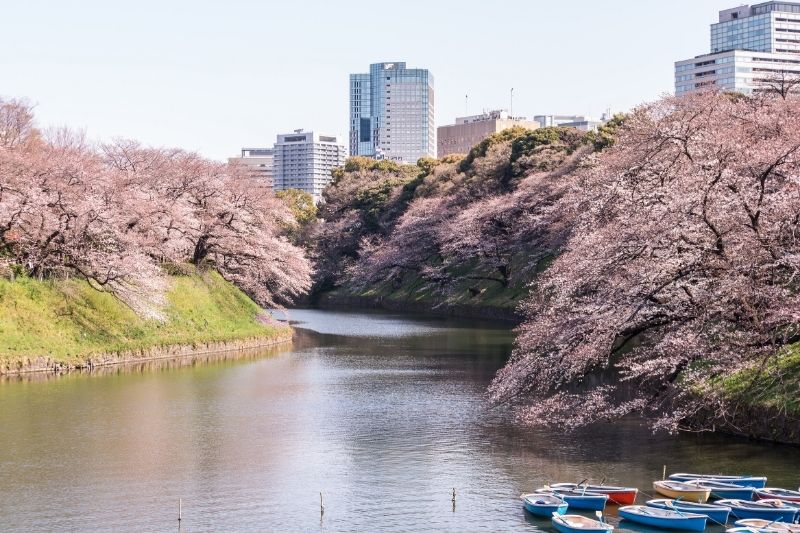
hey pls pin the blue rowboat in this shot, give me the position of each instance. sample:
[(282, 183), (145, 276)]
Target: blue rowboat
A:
[(716, 513), (767, 526), (543, 504), (757, 482), (579, 499), (720, 490), (575, 523), (663, 518), (766, 509)]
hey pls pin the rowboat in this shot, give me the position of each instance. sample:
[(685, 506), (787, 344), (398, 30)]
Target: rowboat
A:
[(663, 518), (677, 489), (757, 482), (741, 530), (767, 509), (618, 495), (716, 513), (575, 523), (768, 526), (724, 490), (543, 504), (778, 494), (578, 499)]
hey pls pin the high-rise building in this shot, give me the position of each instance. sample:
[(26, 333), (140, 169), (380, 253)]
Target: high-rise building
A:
[(459, 138), (304, 160), (750, 46), (259, 163), (391, 113)]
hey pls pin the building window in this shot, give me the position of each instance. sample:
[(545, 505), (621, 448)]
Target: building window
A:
[(365, 135)]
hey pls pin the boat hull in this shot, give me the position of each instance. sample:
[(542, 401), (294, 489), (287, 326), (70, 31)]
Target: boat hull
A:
[(787, 497), (717, 513), (784, 514), (745, 493), (561, 523), (736, 492), (544, 509), (757, 482), (699, 495), (618, 495), (586, 501), (585, 504), (687, 523), (768, 526)]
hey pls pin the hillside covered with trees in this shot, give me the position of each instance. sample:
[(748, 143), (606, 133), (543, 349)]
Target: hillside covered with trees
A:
[(654, 263)]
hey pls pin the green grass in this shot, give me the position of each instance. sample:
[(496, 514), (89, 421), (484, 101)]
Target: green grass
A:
[(776, 386), (69, 320)]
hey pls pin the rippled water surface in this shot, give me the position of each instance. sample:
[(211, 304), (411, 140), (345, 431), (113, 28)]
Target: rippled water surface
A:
[(384, 414)]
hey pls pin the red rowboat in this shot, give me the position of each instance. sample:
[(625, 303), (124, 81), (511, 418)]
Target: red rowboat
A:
[(778, 494), (618, 495)]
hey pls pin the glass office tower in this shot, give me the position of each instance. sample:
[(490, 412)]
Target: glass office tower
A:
[(391, 113), (750, 45)]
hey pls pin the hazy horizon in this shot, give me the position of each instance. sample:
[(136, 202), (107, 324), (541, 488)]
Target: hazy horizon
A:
[(213, 77)]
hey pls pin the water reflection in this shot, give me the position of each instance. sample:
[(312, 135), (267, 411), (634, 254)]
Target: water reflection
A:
[(384, 420), (161, 364)]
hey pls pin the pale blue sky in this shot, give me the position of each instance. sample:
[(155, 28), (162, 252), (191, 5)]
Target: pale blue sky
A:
[(213, 76)]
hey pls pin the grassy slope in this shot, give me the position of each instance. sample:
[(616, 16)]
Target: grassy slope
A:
[(68, 320), (777, 387)]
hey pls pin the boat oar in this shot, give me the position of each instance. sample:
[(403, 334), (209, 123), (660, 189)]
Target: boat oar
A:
[(599, 515), (671, 505)]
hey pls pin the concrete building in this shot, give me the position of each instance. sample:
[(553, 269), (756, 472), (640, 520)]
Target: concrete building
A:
[(750, 45), (459, 138), (581, 122), (391, 113), (259, 161), (304, 160)]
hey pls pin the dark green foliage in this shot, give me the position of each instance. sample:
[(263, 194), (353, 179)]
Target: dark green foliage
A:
[(480, 149), (527, 142), (373, 198), (607, 133)]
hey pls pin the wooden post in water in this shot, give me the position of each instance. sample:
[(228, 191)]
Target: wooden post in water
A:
[(454, 499), (321, 505), (180, 509), (664, 473)]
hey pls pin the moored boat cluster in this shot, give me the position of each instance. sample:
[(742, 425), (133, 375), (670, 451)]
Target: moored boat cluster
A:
[(746, 499)]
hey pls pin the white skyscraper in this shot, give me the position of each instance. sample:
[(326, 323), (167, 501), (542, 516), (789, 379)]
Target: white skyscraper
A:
[(391, 113), (304, 160), (750, 45)]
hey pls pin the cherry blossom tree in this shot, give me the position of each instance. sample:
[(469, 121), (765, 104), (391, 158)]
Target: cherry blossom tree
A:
[(114, 214), (682, 267)]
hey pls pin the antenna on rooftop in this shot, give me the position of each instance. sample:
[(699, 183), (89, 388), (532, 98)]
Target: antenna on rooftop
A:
[(466, 105), (511, 104)]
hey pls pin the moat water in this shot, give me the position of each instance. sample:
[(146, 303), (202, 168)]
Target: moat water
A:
[(384, 414)]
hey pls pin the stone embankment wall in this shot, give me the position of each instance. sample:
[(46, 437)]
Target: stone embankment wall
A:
[(47, 364)]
